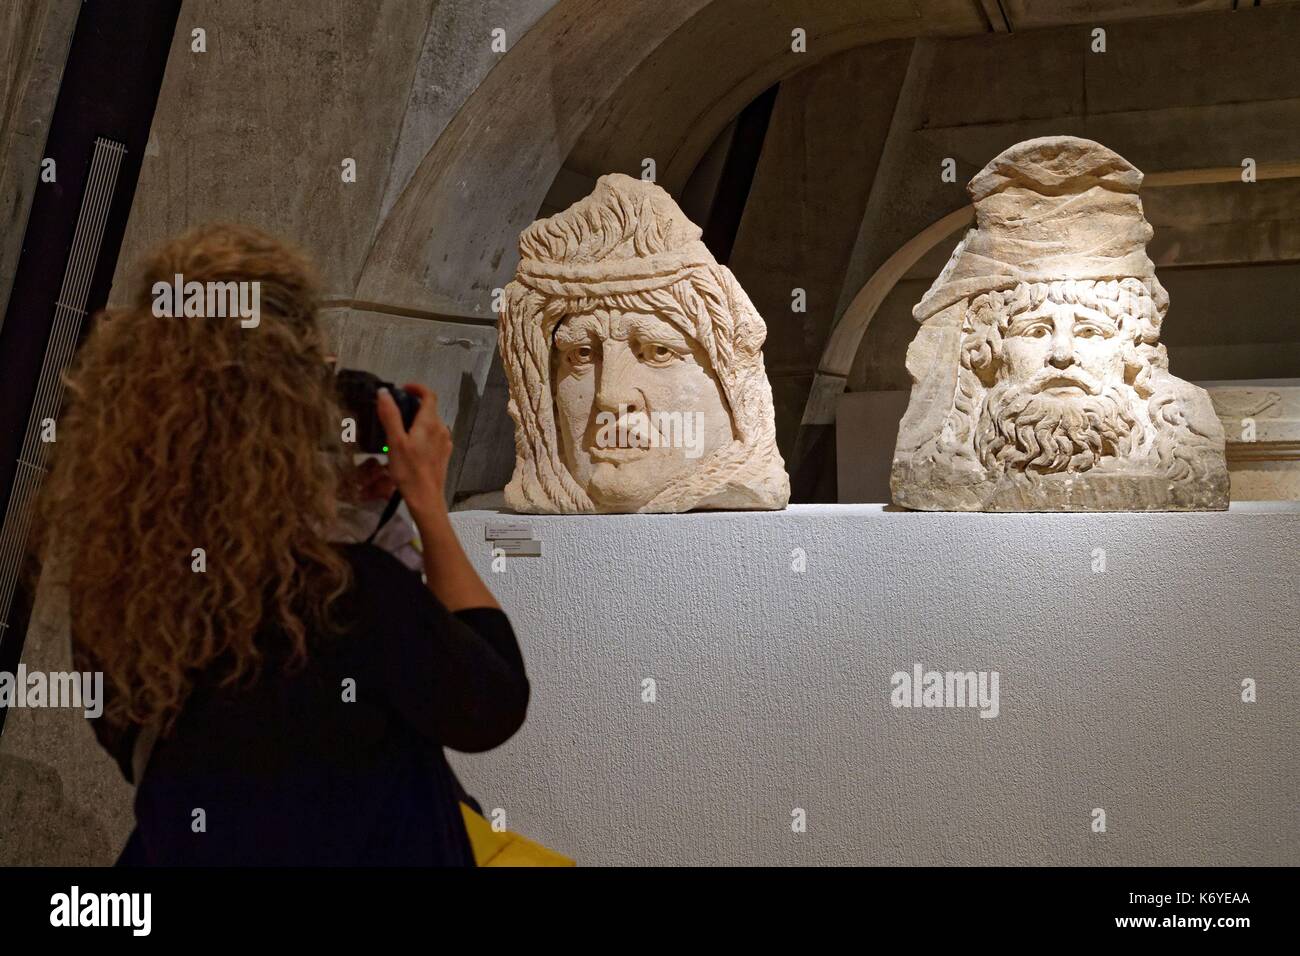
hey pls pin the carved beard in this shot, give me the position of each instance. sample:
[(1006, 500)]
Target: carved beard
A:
[(1025, 430)]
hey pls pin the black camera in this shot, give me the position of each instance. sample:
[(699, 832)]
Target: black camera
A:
[(358, 394)]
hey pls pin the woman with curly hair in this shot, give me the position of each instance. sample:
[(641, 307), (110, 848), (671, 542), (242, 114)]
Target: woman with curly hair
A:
[(300, 691)]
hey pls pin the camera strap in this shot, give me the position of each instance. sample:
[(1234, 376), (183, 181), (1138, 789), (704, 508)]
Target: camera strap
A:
[(389, 510)]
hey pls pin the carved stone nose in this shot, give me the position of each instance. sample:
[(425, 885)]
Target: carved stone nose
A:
[(1061, 359), (617, 391)]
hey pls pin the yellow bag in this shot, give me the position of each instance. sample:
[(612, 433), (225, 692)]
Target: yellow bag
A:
[(503, 848)]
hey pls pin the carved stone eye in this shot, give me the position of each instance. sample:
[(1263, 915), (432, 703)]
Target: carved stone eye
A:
[(580, 355), (655, 354)]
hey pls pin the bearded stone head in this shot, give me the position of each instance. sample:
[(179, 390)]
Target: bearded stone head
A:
[(1040, 380), (1057, 363)]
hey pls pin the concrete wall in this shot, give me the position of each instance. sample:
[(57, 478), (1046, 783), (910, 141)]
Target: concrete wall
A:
[(40, 822), (808, 196), (34, 40), (1119, 690), (256, 129), (866, 432), (63, 801)]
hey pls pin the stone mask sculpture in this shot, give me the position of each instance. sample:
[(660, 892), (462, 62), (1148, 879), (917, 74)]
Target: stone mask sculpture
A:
[(1039, 380), (635, 366)]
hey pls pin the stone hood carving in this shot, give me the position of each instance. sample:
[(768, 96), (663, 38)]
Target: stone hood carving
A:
[(1047, 209), (628, 250)]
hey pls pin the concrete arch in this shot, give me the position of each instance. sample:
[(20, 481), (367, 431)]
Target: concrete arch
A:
[(842, 346)]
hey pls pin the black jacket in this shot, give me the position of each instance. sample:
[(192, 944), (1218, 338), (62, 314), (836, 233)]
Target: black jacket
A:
[(289, 773)]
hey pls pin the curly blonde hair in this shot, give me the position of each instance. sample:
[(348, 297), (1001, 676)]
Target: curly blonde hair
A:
[(196, 432)]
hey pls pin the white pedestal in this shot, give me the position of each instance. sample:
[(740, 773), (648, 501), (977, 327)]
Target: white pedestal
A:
[(1119, 689)]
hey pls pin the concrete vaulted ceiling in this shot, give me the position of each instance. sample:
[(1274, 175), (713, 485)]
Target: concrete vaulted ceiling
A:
[(600, 86), (448, 241), (675, 104)]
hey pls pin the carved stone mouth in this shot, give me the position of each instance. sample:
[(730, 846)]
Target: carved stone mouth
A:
[(616, 456), (626, 440), (1064, 383)]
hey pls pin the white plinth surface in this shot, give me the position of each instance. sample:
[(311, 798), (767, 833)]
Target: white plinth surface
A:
[(1119, 689)]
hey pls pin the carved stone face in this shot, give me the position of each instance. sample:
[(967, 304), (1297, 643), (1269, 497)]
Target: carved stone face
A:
[(618, 406), (1062, 349), (638, 406), (1060, 402)]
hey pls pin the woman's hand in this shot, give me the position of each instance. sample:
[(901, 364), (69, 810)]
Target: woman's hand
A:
[(417, 460)]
